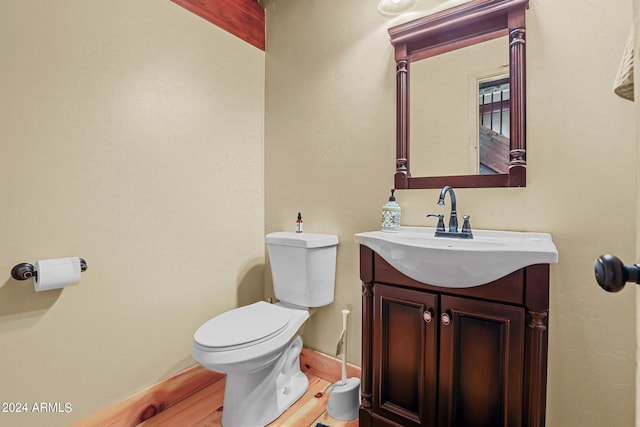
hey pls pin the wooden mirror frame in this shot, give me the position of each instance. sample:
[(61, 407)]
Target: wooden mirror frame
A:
[(470, 23)]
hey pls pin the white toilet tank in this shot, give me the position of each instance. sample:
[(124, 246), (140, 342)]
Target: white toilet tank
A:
[(303, 267)]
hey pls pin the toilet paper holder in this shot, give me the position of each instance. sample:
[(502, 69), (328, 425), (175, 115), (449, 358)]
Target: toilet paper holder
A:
[(24, 271)]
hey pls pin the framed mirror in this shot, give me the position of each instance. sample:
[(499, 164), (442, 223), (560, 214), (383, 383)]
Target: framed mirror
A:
[(464, 113)]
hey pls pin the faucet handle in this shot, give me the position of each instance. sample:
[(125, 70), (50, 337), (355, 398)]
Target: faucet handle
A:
[(466, 225), (440, 226)]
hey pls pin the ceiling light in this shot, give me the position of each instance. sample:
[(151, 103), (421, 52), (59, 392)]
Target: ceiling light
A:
[(394, 7)]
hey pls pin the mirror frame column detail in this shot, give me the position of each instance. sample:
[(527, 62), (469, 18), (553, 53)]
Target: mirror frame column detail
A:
[(518, 152), (402, 120)]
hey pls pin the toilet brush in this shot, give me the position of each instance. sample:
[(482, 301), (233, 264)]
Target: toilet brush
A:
[(344, 395)]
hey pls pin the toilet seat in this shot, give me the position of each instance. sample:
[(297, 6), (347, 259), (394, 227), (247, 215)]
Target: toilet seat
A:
[(243, 327)]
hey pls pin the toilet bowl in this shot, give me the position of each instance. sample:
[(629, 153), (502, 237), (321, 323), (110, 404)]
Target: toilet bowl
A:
[(256, 345)]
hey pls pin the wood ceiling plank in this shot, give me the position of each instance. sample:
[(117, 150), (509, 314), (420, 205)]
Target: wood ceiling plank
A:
[(242, 18)]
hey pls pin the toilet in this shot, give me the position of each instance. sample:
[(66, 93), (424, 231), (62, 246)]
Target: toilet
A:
[(257, 345)]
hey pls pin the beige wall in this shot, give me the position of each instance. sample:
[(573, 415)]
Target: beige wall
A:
[(123, 123), (132, 136), (329, 152)]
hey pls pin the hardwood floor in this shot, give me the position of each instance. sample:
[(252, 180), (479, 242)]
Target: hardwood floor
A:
[(195, 396), (204, 409)]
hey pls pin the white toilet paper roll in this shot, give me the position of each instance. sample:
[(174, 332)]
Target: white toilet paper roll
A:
[(56, 273)]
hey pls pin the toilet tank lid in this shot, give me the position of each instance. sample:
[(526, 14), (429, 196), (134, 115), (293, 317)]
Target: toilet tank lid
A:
[(301, 240)]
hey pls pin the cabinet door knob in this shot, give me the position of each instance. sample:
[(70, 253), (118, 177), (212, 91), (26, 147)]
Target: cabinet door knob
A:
[(446, 319), (427, 316)]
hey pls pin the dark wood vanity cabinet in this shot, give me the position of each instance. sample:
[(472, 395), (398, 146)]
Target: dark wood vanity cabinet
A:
[(463, 357)]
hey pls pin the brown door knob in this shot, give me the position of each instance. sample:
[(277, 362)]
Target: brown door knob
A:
[(612, 274)]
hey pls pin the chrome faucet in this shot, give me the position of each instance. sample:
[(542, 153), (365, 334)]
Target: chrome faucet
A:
[(465, 233)]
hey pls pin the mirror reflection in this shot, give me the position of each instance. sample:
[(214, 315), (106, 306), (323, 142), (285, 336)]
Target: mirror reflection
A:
[(493, 125), (460, 111)]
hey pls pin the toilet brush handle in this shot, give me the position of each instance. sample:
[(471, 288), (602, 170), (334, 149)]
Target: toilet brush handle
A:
[(345, 315)]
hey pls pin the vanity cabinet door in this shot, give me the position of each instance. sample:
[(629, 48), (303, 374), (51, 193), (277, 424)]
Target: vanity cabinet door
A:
[(405, 324), (481, 363)]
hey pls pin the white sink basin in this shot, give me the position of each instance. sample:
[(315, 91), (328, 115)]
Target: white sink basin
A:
[(459, 263)]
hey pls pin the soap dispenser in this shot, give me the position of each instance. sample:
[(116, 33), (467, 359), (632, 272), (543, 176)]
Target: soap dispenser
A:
[(391, 212)]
